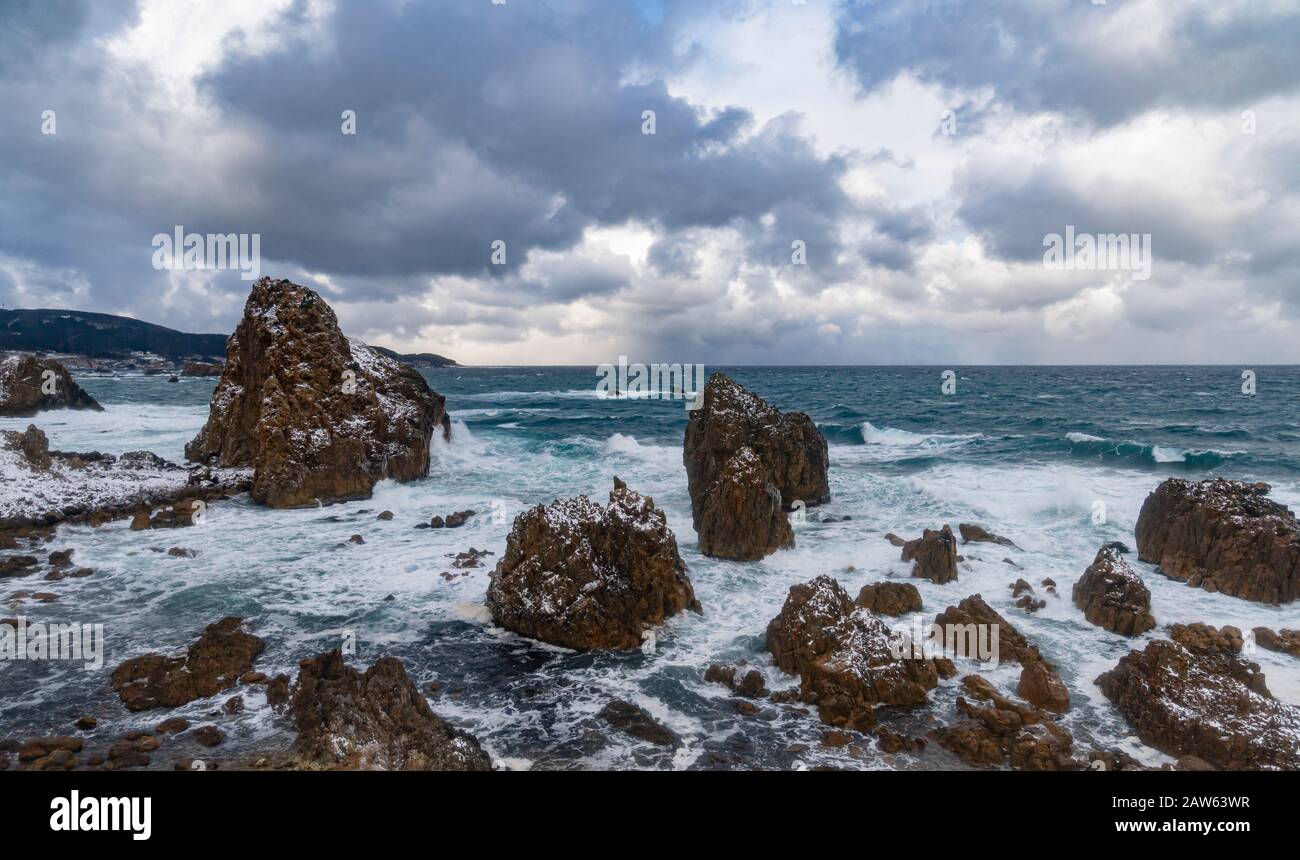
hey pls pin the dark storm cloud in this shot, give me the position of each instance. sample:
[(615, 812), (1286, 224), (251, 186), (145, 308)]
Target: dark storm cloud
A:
[(1081, 58)]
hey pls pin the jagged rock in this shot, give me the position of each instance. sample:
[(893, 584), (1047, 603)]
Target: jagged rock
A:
[(746, 464), (1113, 596), (582, 576), (24, 379), (933, 555), (1020, 586), (317, 415), (212, 664), (895, 539), (889, 598), (32, 444), (1004, 731), (638, 722), (1283, 641), (373, 721), (1223, 536), (209, 736), (17, 565), (843, 655), (1039, 682), (971, 533), (1196, 696)]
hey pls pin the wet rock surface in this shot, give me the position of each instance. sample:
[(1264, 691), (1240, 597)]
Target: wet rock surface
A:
[(1113, 596), (317, 415), (1223, 536), (933, 555), (889, 598), (212, 664), (588, 577), (746, 464)]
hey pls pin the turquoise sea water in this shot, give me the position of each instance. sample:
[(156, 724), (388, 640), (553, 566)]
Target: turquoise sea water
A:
[(1026, 452)]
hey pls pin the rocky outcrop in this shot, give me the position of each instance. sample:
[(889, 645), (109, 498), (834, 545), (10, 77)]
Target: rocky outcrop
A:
[(199, 368), (32, 444), (29, 385), (1003, 731), (844, 656), (1196, 696), (746, 464), (1223, 536), (639, 723), (212, 664), (1039, 682), (1283, 641), (583, 576), (376, 720), (971, 533), (1113, 596), (318, 416), (933, 555), (889, 598)]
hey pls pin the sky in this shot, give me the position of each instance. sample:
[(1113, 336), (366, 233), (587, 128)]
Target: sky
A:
[(827, 182)]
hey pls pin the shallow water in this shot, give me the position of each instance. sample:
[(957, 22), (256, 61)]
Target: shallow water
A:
[(1026, 452)]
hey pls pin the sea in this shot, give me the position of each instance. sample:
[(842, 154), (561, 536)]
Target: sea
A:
[(1058, 459)]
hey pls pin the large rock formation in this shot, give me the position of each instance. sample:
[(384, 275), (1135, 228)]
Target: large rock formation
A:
[(378, 720), (585, 577), (1006, 731), (317, 415), (1113, 596), (1224, 536), (933, 555), (25, 381), (844, 656), (212, 664), (1196, 696), (1039, 682), (747, 463), (889, 598)]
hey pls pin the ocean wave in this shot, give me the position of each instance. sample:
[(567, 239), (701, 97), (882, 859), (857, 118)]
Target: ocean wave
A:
[(873, 435), (1151, 454)]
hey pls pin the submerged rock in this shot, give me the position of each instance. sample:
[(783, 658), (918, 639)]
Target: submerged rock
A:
[(844, 656), (933, 555), (1113, 596), (746, 464), (376, 720), (1223, 536), (319, 417), (1196, 696), (581, 576), (638, 722), (1283, 641), (29, 385), (971, 533), (212, 664)]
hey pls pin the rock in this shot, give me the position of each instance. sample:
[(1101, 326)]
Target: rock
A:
[(17, 565), (469, 558), (148, 743), (24, 379), (718, 674), (32, 444), (971, 533), (844, 656), (36, 748), (172, 726), (385, 515), (209, 736), (581, 576), (62, 558), (1113, 596), (895, 539), (357, 539), (1284, 641), (199, 368), (140, 521), (1223, 536), (437, 523), (212, 664), (1004, 731), (746, 464), (753, 685), (283, 407), (933, 555), (375, 720), (1041, 686), (1049, 583), (254, 678), (182, 552), (1198, 697), (889, 598), (1203, 638), (458, 519), (1019, 587), (1029, 604), (234, 705), (638, 722), (277, 691)]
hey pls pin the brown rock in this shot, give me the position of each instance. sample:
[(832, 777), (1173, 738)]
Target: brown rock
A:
[(199, 368), (17, 565), (971, 533), (282, 405), (1113, 596), (1284, 641), (638, 722), (23, 386), (753, 685), (172, 726), (87, 723), (277, 691), (234, 705), (889, 598), (35, 748), (1223, 536), (844, 656), (933, 555), (585, 577), (212, 664), (209, 736), (746, 464), (32, 444), (373, 721), (1204, 701), (385, 515), (1004, 731), (1041, 686)]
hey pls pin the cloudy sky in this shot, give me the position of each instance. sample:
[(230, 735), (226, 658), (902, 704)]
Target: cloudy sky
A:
[(920, 152)]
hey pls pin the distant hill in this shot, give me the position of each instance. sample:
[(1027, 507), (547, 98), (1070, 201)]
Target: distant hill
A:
[(101, 335), (417, 359), (109, 336)]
